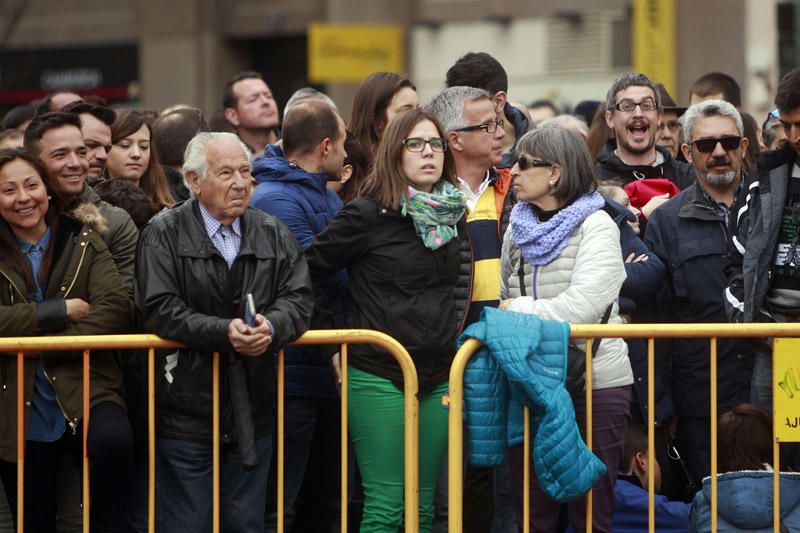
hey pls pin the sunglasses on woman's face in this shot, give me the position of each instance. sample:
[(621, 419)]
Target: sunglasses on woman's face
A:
[(728, 143), (525, 162)]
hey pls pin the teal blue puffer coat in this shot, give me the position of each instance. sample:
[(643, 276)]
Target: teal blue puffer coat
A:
[(523, 362)]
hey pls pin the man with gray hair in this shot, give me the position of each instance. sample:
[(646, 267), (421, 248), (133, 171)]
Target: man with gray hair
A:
[(688, 233), (218, 276), (633, 112), (475, 139)]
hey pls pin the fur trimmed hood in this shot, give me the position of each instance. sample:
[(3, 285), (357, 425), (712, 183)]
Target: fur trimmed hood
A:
[(90, 215)]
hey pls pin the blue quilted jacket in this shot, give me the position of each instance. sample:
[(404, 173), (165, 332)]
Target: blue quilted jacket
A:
[(523, 362)]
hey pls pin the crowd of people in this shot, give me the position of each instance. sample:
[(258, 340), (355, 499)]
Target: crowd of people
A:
[(467, 215)]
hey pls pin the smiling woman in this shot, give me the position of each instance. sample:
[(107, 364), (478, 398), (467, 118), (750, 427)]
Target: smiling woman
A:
[(133, 157), (58, 278)]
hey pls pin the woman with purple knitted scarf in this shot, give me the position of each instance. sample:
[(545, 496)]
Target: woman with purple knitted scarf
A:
[(561, 260)]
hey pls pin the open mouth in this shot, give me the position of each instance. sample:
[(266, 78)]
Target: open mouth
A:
[(25, 211), (638, 131)]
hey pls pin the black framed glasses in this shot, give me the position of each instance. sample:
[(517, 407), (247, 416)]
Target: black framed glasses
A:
[(626, 106), (525, 162), (417, 144), (730, 142), (488, 127)]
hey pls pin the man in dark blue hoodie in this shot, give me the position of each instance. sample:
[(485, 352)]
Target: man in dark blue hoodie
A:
[(293, 188)]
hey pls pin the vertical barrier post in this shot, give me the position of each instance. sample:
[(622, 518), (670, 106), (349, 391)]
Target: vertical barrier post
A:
[(20, 441), (651, 435), (345, 441), (151, 440), (714, 494), (215, 443), (589, 439), (86, 409), (526, 473), (281, 436), (776, 464)]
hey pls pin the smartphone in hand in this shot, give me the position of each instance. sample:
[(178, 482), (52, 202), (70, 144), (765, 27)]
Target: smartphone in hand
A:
[(250, 310)]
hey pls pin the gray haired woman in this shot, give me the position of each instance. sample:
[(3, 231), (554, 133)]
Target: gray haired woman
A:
[(561, 260)]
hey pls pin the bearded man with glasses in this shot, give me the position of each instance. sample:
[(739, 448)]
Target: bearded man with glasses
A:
[(689, 234), (633, 111)]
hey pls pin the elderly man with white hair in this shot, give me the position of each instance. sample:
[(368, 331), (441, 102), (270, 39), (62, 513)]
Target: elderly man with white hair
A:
[(198, 264)]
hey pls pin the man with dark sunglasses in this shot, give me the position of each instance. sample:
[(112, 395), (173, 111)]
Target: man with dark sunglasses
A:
[(634, 110), (689, 234), (764, 261)]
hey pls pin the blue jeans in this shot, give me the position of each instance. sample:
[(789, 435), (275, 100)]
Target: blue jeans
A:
[(184, 487), (761, 383), (310, 421)]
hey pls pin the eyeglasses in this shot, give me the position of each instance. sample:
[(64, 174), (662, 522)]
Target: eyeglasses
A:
[(489, 127), (526, 162), (417, 144), (728, 143), (627, 106)]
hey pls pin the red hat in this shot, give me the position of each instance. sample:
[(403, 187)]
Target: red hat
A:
[(641, 191)]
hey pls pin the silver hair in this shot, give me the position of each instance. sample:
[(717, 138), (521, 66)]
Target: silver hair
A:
[(565, 121), (307, 93), (709, 108), (195, 157), (630, 79), (448, 105)]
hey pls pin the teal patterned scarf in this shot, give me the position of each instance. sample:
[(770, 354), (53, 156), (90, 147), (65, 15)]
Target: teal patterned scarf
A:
[(435, 214)]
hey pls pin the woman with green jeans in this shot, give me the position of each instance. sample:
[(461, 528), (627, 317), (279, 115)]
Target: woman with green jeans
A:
[(399, 244)]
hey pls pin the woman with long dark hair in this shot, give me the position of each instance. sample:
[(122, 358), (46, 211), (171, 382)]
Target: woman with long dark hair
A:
[(399, 244), (133, 157), (379, 98), (58, 278)]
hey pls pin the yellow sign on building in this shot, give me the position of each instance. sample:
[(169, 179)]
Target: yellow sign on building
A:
[(786, 389), (350, 52), (654, 40)]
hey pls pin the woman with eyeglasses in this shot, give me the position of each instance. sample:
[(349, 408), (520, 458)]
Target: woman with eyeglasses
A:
[(561, 260), (399, 243), (58, 278)]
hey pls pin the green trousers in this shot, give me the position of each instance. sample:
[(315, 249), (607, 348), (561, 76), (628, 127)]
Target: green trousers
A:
[(375, 412)]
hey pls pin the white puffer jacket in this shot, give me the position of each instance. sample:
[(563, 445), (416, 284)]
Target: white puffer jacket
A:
[(576, 287)]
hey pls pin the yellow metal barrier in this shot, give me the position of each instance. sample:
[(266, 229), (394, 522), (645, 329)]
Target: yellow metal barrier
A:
[(646, 331), (22, 345)]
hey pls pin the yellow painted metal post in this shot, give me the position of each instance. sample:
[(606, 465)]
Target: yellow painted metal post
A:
[(776, 463), (589, 439), (151, 440), (215, 443), (345, 441), (20, 441), (651, 435), (86, 408), (526, 473), (455, 432), (281, 437), (714, 435), (776, 486)]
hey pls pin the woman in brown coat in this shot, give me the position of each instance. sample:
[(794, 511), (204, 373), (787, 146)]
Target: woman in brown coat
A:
[(58, 278)]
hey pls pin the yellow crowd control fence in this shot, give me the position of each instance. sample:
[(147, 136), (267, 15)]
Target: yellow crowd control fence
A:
[(30, 347), (646, 331)]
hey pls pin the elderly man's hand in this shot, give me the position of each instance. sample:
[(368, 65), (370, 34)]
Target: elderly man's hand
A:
[(250, 340)]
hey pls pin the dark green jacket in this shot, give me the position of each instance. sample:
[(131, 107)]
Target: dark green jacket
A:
[(82, 268)]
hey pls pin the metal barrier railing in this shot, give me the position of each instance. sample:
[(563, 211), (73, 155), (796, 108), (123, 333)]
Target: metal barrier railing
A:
[(25, 345), (646, 331)]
